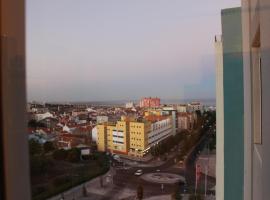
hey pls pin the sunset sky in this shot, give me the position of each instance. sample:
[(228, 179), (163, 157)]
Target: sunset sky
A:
[(99, 50)]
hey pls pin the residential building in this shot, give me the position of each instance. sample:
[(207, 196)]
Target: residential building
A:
[(181, 108), (194, 106), (139, 131), (161, 128), (243, 96), (129, 105), (186, 121), (256, 71), (102, 119), (173, 112), (150, 102), (41, 116), (230, 176), (68, 141), (133, 137)]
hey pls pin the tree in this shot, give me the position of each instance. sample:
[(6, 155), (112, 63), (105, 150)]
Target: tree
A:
[(140, 192), (196, 197), (34, 147), (74, 155), (39, 164), (48, 146), (60, 154), (176, 194), (32, 123), (199, 113)]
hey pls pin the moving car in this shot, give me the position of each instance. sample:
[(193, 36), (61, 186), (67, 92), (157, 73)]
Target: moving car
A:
[(139, 172)]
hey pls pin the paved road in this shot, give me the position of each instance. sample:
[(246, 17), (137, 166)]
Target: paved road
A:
[(125, 178)]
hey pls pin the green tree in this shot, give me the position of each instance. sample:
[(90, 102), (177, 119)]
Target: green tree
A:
[(176, 194), (196, 197), (60, 154), (39, 164), (74, 155), (34, 147), (48, 146)]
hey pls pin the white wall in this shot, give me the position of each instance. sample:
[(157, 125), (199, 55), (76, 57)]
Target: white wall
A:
[(219, 121)]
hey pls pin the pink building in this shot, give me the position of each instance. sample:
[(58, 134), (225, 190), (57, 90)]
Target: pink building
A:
[(150, 102)]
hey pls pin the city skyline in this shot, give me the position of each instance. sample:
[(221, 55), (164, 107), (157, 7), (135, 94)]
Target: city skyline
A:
[(99, 50)]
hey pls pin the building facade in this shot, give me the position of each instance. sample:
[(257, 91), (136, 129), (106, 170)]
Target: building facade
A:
[(133, 137), (230, 173), (150, 102), (219, 119), (256, 60), (243, 96), (186, 121)]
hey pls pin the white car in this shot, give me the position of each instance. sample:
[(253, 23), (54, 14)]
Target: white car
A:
[(139, 172)]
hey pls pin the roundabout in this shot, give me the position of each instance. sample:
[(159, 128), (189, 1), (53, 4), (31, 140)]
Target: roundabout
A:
[(163, 178)]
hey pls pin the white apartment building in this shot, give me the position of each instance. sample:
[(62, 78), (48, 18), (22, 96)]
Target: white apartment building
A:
[(181, 108), (102, 119), (41, 116), (159, 131), (194, 106), (129, 105)]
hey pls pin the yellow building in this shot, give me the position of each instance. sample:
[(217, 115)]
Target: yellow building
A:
[(114, 137), (102, 137), (156, 112), (139, 138), (132, 137)]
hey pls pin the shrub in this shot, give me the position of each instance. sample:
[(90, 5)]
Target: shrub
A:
[(48, 146), (39, 164), (74, 155), (60, 154), (61, 180), (34, 147)]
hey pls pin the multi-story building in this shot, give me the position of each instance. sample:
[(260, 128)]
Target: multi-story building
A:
[(102, 119), (181, 108), (114, 137), (194, 106), (186, 121), (68, 141), (165, 111), (243, 96), (230, 137), (150, 102), (41, 116), (139, 138), (133, 136), (256, 72), (173, 112), (161, 128), (129, 105)]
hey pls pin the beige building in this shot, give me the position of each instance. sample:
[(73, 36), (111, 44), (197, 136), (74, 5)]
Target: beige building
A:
[(186, 121)]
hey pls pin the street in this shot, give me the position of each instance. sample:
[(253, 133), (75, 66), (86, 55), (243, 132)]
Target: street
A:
[(122, 183)]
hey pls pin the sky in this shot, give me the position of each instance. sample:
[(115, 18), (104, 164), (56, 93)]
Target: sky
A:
[(102, 50)]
